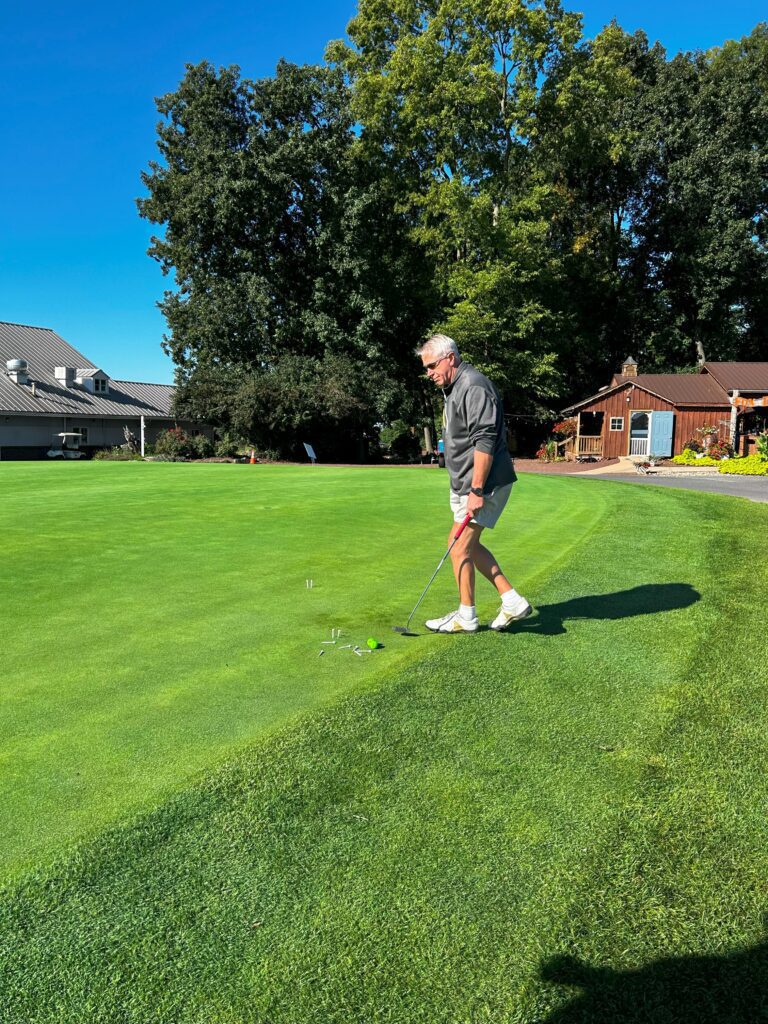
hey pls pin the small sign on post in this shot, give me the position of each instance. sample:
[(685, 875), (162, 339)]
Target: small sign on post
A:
[(310, 452)]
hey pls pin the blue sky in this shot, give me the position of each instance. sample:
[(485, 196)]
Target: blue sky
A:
[(78, 126)]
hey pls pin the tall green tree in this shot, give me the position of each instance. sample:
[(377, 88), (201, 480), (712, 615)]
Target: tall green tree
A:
[(594, 144), (449, 92), (708, 265), (297, 291), (662, 166), (554, 204)]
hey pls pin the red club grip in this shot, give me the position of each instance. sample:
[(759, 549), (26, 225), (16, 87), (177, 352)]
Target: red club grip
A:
[(462, 527)]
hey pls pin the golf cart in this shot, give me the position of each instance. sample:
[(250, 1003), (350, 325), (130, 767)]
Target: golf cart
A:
[(67, 447)]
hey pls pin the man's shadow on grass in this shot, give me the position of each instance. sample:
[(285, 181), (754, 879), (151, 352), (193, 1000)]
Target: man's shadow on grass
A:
[(648, 599), (730, 989)]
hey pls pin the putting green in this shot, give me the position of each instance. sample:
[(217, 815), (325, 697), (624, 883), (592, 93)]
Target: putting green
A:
[(156, 616)]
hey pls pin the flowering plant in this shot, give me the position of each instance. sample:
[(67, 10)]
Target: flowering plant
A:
[(548, 451), (565, 428), (708, 431), (691, 458), (174, 442), (719, 450)]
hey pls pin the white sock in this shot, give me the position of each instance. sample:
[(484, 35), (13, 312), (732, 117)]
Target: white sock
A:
[(510, 599), (467, 611)]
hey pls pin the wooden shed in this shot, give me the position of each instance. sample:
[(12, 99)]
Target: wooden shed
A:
[(656, 413)]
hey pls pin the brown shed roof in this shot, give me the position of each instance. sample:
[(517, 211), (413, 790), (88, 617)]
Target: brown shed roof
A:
[(681, 389), (739, 376)]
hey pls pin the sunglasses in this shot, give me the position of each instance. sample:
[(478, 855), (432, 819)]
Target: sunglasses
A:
[(431, 366)]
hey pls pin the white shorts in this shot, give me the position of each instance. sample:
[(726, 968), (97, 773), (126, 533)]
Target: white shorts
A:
[(488, 515)]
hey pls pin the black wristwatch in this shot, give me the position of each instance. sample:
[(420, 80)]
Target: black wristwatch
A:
[(478, 491)]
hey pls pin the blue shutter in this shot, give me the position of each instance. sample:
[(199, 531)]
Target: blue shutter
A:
[(662, 426)]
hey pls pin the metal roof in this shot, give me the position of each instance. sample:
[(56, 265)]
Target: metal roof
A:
[(740, 376), (682, 389), (44, 350)]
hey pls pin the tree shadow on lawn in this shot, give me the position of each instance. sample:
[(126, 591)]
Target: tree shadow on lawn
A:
[(730, 989), (648, 599)]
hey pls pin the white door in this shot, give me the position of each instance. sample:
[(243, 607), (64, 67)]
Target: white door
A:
[(639, 433)]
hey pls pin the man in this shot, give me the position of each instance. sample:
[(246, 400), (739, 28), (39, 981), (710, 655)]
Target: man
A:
[(481, 475)]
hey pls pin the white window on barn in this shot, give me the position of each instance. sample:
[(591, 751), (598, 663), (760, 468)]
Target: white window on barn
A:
[(99, 386), (617, 422)]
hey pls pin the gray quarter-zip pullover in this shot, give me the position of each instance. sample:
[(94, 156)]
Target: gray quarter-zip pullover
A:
[(474, 419)]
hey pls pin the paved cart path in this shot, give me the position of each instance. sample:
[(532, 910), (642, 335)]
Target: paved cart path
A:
[(754, 488)]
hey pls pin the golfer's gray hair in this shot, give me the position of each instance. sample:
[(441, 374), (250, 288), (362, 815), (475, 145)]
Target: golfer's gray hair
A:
[(439, 345)]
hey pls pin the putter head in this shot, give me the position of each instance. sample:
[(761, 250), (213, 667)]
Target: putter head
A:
[(403, 630)]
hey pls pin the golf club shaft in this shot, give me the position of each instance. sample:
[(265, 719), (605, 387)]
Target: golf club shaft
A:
[(439, 567)]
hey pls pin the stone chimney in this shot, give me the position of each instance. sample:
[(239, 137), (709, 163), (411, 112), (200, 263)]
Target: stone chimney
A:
[(629, 368)]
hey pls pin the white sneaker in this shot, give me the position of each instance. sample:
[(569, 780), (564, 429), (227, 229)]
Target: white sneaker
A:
[(520, 610), (453, 623)]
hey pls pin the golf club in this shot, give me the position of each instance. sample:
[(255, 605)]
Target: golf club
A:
[(404, 629)]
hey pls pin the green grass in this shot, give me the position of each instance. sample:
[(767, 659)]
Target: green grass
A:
[(157, 617), (565, 823)]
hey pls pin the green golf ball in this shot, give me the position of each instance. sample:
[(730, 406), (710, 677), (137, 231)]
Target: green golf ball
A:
[(373, 644)]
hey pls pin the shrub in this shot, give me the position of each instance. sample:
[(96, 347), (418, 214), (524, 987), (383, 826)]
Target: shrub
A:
[(267, 454), (180, 445), (120, 453), (689, 458), (761, 445), (751, 465), (202, 446), (564, 429), (699, 456), (548, 451), (401, 441), (710, 444), (176, 443), (719, 450), (228, 447)]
